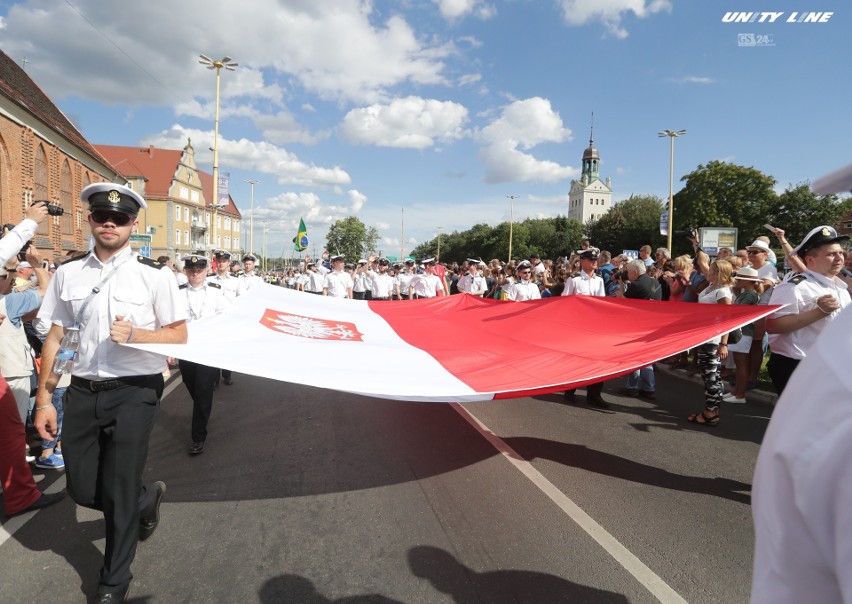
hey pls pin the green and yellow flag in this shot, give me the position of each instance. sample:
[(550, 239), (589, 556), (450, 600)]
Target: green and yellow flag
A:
[(300, 241)]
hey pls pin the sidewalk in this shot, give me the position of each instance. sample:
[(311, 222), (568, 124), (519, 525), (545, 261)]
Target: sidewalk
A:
[(755, 396)]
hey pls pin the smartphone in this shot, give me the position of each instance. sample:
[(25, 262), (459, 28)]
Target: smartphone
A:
[(769, 227)]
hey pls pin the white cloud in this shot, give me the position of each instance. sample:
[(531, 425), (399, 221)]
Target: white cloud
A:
[(338, 49), (382, 226), (456, 9), (409, 123), (521, 126), (260, 157), (693, 80), (356, 200), (282, 128), (609, 12)]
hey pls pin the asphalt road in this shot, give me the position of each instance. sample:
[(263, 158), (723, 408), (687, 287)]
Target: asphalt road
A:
[(309, 495)]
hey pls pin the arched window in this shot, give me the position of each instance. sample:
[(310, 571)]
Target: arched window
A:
[(86, 182), (66, 200), (40, 185)]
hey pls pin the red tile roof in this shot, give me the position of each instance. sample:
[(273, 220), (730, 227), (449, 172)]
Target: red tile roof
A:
[(158, 167), (18, 87)]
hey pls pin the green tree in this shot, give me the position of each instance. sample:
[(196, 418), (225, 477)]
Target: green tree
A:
[(629, 225), (723, 194), (352, 238), (798, 210)]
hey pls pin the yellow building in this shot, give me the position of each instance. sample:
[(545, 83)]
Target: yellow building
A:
[(180, 216)]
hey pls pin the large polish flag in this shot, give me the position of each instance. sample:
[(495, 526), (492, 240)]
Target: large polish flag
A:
[(453, 348)]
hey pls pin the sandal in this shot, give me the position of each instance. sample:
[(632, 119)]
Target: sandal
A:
[(702, 420)]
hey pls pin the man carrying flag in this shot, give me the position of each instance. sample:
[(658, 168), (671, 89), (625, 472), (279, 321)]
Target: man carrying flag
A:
[(300, 241)]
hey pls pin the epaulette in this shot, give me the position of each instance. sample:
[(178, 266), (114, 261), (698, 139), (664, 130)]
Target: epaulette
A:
[(183, 285), (149, 262), (798, 279), (80, 257), (212, 284)]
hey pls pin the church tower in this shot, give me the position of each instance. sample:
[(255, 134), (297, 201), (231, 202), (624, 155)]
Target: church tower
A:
[(589, 197)]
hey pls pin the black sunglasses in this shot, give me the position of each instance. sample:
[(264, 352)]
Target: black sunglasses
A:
[(117, 218)]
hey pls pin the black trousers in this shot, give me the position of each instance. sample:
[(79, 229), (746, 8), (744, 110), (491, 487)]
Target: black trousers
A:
[(592, 390), (105, 444), (780, 368), (199, 380)]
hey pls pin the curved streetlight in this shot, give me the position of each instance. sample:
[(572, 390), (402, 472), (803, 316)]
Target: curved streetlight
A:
[(672, 136), (218, 65)]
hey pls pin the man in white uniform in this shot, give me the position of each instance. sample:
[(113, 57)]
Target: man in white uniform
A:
[(472, 282), (338, 283), (524, 288), (813, 298), (249, 278), (427, 284), (381, 283), (202, 299), (402, 284), (801, 499), (110, 296), (230, 285)]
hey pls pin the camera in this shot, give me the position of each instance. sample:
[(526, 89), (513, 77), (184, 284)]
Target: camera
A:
[(620, 276), (52, 209), (688, 233)]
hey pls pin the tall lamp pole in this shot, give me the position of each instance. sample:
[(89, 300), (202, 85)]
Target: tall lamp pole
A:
[(438, 255), (251, 216), (227, 63), (672, 136), (512, 199)]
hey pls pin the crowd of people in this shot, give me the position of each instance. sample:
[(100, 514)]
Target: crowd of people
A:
[(93, 401)]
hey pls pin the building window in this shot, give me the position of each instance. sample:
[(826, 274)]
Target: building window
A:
[(66, 200), (207, 219), (236, 228), (186, 214), (186, 237), (227, 242), (183, 192), (218, 222), (227, 223), (177, 212), (40, 185), (236, 243), (177, 236), (193, 195)]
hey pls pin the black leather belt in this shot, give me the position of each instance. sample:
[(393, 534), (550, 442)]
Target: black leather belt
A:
[(419, 297), (119, 382), (385, 298)]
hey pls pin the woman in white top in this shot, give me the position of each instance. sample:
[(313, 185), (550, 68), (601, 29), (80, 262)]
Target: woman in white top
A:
[(710, 355)]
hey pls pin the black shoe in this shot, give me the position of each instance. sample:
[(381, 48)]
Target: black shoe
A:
[(597, 402), (633, 392), (147, 525), (45, 500), (569, 396), (228, 381), (113, 597), (647, 394), (196, 448), (215, 385)]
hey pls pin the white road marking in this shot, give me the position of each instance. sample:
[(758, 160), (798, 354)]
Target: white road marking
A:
[(12, 525), (649, 580)]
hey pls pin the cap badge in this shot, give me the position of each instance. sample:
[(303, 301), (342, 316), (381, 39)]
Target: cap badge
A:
[(826, 232), (114, 197), (194, 259)]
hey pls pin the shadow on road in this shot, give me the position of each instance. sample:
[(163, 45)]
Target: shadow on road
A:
[(294, 588)]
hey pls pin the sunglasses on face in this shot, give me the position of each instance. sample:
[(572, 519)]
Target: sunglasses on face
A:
[(117, 218), (752, 252)]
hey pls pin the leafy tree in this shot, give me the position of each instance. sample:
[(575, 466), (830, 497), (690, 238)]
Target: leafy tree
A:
[(723, 194), (629, 224), (798, 210), (352, 238)]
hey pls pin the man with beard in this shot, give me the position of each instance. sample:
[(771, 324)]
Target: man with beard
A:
[(106, 298)]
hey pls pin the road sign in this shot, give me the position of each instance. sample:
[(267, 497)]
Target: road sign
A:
[(145, 250), (140, 238)]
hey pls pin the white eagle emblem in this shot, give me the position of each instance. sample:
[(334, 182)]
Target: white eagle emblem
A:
[(309, 327)]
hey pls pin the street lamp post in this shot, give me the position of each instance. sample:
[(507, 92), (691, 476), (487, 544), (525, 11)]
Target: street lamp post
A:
[(512, 199), (672, 136), (438, 255), (251, 216), (227, 63)]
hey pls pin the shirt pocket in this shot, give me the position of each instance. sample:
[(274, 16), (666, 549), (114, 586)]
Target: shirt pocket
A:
[(74, 297), (134, 305)]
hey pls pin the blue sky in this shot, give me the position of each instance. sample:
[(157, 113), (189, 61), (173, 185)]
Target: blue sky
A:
[(444, 107)]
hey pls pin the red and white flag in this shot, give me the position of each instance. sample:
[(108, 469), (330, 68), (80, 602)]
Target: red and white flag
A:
[(452, 348)]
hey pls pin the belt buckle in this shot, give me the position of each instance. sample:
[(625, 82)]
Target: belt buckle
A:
[(104, 385)]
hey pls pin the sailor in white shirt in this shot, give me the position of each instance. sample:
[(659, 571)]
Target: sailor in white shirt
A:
[(587, 282), (229, 284), (202, 299), (338, 283), (426, 284), (315, 278), (249, 278), (472, 282), (403, 279), (359, 290), (524, 288), (381, 283)]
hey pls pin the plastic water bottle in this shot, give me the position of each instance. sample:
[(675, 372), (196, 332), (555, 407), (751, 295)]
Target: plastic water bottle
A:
[(67, 351)]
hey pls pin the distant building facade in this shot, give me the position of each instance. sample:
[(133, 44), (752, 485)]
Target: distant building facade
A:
[(180, 216), (43, 156), (589, 197)]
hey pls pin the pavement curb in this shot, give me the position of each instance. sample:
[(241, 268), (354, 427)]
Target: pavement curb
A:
[(756, 396)]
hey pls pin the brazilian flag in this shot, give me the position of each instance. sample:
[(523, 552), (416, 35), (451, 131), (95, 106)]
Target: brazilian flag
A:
[(300, 241)]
